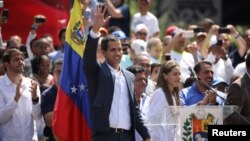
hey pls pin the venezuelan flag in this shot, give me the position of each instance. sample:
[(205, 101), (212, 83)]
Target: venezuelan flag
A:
[(71, 119)]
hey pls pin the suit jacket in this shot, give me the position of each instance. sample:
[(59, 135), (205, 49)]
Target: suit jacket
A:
[(239, 94), (101, 89)]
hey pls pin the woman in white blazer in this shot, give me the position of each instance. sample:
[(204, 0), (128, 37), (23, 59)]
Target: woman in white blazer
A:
[(158, 114)]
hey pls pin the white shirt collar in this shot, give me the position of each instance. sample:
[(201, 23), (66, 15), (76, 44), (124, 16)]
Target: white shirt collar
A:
[(113, 70), (9, 82)]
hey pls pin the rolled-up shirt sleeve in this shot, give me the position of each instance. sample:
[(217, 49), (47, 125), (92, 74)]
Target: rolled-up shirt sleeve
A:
[(36, 108)]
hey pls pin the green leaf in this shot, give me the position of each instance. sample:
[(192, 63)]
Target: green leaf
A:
[(185, 134), (188, 133), (184, 139), (186, 123), (185, 127)]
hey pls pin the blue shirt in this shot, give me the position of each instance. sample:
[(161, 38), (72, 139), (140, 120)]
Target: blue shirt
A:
[(48, 99), (56, 55), (191, 96), (124, 22)]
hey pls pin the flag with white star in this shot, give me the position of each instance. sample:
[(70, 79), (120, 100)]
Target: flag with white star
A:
[(71, 118)]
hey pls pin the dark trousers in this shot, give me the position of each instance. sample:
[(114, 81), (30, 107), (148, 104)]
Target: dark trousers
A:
[(112, 136)]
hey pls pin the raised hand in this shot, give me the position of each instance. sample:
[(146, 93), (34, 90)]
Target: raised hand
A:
[(33, 89), (214, 30), (232, 29), (99, 19), (18, 90)]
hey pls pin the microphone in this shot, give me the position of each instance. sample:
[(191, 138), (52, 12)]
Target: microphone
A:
[(205, 84), (226, 101), (193, 74)]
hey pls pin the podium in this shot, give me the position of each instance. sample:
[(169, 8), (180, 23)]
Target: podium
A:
[(189, 123)]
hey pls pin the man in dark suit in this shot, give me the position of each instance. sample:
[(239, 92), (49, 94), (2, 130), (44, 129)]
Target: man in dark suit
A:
[(239, 94), (114, 114)]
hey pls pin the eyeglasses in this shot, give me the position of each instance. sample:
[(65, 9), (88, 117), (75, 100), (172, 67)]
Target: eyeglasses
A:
[(142, 33)]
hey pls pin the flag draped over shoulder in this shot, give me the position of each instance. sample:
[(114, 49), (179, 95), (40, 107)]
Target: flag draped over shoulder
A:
[(71, 118)]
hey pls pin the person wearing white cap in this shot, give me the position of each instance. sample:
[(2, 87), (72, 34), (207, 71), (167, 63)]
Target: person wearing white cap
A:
[(137, 47), (119, 34), (141, 32), (147, 18)]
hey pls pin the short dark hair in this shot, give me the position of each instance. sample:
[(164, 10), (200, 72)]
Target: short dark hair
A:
[(154, 65), (197, 66), (106, 40), (61, 33), (113, 28), (8, 54), (136, 69), (33, 41), (40, 59)]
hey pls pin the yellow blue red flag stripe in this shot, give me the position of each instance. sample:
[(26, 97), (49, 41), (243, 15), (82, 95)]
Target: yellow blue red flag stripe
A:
[(71, 118)]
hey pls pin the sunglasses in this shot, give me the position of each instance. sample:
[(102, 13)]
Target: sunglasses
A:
[(142, 33)]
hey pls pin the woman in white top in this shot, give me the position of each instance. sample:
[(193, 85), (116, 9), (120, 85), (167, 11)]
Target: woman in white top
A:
[(158, 114)]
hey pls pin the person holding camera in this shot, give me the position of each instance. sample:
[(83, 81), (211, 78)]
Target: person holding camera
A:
[(38, 21), (228, 30), (219, 53)]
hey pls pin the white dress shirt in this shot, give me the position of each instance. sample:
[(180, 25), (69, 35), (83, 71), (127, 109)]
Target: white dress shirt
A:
[(119, 116), (16, 119)]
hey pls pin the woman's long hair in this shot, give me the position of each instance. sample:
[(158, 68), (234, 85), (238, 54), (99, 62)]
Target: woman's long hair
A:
[(167, 67)]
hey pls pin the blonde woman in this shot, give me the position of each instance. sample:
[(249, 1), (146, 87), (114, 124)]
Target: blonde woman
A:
[(165, 95)]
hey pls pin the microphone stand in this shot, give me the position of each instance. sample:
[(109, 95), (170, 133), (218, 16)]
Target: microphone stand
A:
[(205, 84), (209, 88)]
